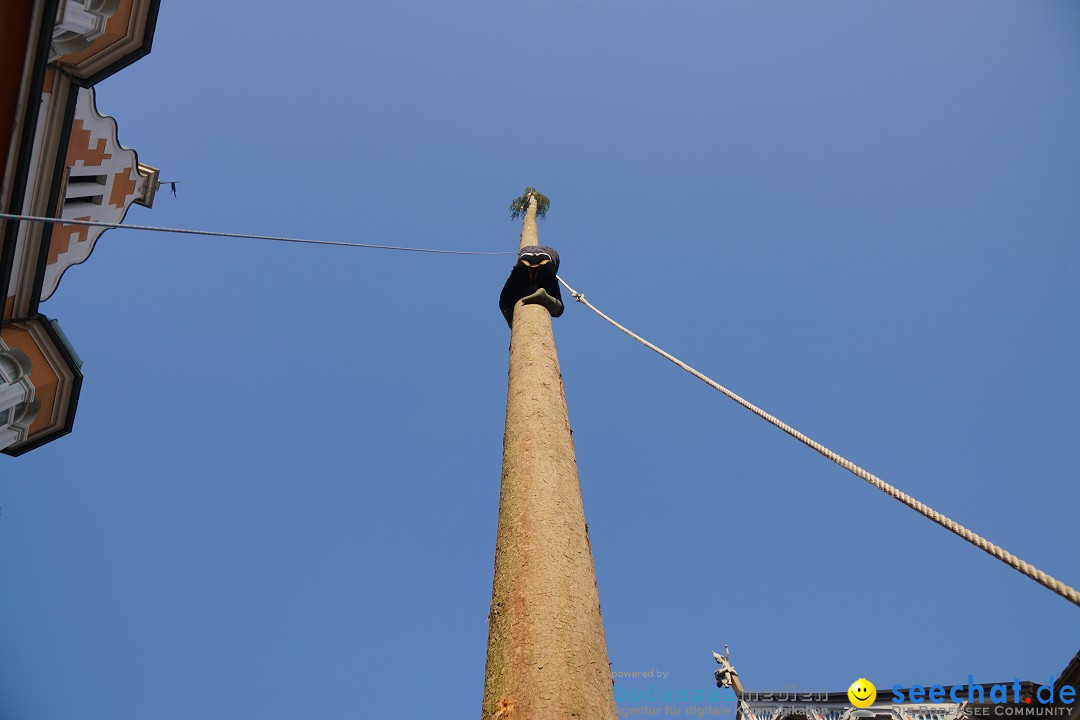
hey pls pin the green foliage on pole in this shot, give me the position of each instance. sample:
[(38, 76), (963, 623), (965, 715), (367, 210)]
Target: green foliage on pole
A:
[(520, 205)]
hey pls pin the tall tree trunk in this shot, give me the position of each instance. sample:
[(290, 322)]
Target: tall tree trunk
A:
[(546, 656)]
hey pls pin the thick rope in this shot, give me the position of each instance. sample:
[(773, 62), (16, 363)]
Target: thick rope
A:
[(275, 238), (982, 543)]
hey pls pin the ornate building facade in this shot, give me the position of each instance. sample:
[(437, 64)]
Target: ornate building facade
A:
[(62, 159)]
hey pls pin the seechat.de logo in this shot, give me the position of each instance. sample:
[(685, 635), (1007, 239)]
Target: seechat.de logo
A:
[(975, 693)]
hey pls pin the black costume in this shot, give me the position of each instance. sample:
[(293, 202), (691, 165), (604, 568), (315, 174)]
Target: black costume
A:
[(533, 281)]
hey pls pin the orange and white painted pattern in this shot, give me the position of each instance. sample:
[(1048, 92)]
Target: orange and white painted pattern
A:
[(103, 180)]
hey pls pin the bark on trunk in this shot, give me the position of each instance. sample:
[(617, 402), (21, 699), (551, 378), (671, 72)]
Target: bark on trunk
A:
[(546, 656)]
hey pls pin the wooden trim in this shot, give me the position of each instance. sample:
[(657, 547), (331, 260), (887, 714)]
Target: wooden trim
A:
[(16, 182)]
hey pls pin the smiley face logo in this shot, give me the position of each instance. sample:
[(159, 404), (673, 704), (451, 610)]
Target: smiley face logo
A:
[(862, 693)]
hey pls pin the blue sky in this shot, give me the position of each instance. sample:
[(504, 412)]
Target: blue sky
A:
[(280, 496)]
